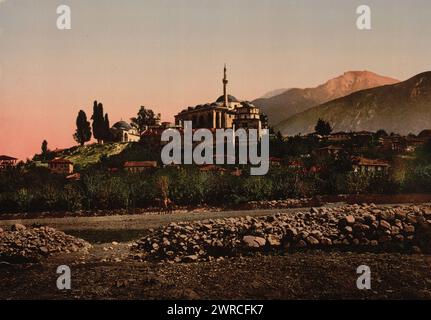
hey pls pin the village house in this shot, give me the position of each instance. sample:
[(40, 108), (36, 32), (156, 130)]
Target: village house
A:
[(330, 150), (364, 165), (413, 142), (393, 143), (7, 162), (275, 161), (60, 166), (212, 168), (139, 166), (425, 135), (338, 137)]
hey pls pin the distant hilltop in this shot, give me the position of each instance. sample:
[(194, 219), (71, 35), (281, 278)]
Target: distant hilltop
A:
[(293, 101), (403, 107)]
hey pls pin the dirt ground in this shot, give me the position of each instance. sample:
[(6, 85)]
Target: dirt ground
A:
[(109, 272), (306, 275)]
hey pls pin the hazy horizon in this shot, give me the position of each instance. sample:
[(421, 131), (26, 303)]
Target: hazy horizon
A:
[(167, 55)]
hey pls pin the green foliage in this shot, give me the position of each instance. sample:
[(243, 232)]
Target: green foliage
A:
[(100, 123), (323, 127), (35, 189), (145, 117), (83, 129), (44, 147)]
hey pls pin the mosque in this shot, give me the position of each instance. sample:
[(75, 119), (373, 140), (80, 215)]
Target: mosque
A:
[(226, 112)]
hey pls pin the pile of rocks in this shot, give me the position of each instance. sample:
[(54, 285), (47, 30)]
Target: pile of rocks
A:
[(279, 204), (22, 244), (353, 227)]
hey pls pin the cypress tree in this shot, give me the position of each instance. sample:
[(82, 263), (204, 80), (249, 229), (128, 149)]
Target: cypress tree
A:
[(99, 130), (83, 129)]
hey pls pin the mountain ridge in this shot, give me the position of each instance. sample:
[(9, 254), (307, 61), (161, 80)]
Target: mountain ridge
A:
[(403, 107), (296, 100)]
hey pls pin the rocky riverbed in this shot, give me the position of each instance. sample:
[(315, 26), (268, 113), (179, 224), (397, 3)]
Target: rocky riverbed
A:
[(351, 227), (22, 244)]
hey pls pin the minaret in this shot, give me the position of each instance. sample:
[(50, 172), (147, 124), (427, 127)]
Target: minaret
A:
[(225, 101)]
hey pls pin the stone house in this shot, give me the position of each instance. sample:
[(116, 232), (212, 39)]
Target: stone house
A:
[(60, 166)]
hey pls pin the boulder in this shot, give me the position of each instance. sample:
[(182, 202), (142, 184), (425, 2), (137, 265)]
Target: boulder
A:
[(274, 241), (18, 227), (190, 258), (253, 242), (385, 225), (312, 241)]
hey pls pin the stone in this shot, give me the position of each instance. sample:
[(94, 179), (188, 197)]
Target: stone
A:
[(301, 244), (312, 241), (399, 238), (416, 250), (190, 258), (1, 230), (370, 218), (44, 250), (348, 229), (385, 225), (411, 219), (291, 233), (274, 241), (347, 220), (409, 229), (395, 230), (326, 242), (374, 243), (253, 242), (18, 227), (316, 234)]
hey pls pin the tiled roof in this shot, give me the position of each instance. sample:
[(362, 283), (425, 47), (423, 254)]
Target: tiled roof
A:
[(3, 157), (370, 162), (146, 164), (61, 160)]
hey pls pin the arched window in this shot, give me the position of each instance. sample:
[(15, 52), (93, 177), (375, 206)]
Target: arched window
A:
[(210, 120), (201, 122)]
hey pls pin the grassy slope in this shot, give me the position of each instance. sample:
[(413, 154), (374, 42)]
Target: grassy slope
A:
[(92, 153)]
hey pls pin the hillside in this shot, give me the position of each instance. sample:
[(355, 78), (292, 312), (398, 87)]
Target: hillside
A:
[(92, 153), (111, 154), (403, 108), (296, 100)]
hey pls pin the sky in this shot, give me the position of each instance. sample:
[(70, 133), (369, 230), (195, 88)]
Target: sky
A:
[(169, 54)]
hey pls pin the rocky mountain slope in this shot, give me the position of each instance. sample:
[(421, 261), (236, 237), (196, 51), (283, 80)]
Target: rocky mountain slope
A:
[(293, 101), (403, 108)]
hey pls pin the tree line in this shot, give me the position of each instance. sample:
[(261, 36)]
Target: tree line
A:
[(100, 128)]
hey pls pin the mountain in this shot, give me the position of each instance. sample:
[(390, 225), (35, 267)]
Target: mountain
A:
[(403, 108), (296, 100), (273, 93)]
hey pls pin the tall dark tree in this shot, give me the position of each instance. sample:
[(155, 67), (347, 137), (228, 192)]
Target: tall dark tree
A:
[(323, 127), (381, 133), (44, 148), (145, 117), (107, 135), (100, 132), (83, 129)]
